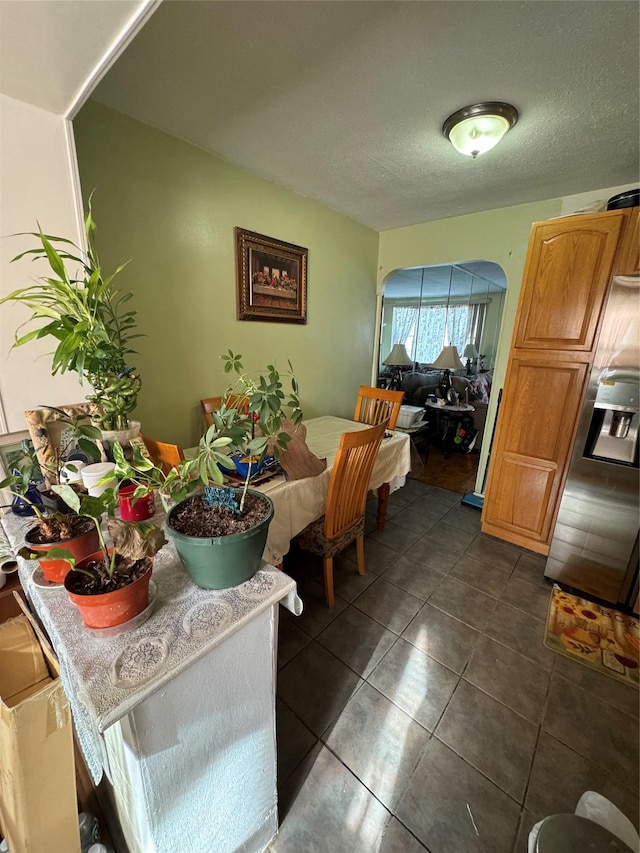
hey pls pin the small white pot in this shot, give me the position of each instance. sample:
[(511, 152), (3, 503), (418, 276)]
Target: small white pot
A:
[(91, 474)]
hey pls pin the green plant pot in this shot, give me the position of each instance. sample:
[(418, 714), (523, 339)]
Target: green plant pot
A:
[(219, 562)]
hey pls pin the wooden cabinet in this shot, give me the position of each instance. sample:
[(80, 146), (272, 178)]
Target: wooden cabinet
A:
[(540, 396), (567, 272)]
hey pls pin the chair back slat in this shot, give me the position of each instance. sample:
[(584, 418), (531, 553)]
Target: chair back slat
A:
[(375, 405), (212, 404), (350, 476), (164, 455)]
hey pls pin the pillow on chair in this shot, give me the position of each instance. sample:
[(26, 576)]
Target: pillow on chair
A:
[(313, 540)]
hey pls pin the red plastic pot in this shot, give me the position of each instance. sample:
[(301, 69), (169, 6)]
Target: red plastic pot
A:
[(80, 546), (111, 608), (142, 509)]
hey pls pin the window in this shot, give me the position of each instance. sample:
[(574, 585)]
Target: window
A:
[(426, 329), (427, 308)]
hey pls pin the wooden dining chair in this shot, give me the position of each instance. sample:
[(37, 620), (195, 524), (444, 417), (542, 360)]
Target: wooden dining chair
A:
[(212, 404), (343, 521), (375, 405), (164, 455)]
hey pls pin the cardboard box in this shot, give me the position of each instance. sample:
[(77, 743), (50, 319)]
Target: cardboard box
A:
[(38, 809)]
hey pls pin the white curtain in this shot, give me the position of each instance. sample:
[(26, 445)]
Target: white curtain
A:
[(403, 326), (430, 333), (425, 330), (457, 321)]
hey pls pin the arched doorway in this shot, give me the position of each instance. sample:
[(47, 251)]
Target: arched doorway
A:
[(425, 310)]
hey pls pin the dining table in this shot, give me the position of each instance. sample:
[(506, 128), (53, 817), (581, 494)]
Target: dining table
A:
[(299, 502)]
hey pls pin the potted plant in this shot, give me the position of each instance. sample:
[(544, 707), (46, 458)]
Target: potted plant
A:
[(24, 467), (220, 535), (139, 478), (111, 585), (88, 318), (53, 532)]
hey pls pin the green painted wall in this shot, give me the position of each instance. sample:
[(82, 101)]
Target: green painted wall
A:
[(172, 208), (501, 236)]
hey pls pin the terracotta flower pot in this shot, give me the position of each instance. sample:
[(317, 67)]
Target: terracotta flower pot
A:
[(80, 546), (111, 608), (142, 509)]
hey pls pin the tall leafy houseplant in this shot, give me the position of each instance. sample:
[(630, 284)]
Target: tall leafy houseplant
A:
[(88, 318), (253, 427), (220, 535)]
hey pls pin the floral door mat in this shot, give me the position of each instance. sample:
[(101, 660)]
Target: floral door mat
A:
[(597, 636)]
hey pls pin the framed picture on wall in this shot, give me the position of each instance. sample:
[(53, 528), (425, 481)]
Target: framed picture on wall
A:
[(271, 279)]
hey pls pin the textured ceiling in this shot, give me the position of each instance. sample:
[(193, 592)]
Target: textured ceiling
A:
[(344, 101)]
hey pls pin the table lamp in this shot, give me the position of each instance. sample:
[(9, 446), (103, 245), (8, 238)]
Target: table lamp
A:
[(471, 354), (397, 359), (448, 360)]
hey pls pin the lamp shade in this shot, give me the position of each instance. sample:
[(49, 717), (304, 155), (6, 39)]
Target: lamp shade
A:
[(476, 129), (398, 357), (448, 359), (470, 351)]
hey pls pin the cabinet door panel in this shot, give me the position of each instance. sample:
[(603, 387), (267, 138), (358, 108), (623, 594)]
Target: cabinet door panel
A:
[(566, 276), (521, 491), (539, 407), (534, 438)]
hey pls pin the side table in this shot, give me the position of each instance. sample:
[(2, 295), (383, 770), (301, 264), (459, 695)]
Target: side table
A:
[(448, 423)]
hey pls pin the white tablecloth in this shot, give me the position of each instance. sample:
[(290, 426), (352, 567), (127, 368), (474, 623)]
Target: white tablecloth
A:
[(299, 502), (106, 677)]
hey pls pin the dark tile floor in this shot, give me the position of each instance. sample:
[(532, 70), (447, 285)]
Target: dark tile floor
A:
[(424, 712)]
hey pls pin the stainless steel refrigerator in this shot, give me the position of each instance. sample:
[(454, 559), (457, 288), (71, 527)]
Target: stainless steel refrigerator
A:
[(595, 542)]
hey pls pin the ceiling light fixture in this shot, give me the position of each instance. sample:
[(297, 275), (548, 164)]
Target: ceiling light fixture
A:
[(476, 129)]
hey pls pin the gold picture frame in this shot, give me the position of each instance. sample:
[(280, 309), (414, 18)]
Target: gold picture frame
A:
[(271, 278)]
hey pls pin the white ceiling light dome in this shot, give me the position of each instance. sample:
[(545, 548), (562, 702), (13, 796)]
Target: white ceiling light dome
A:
[(476, 129)]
